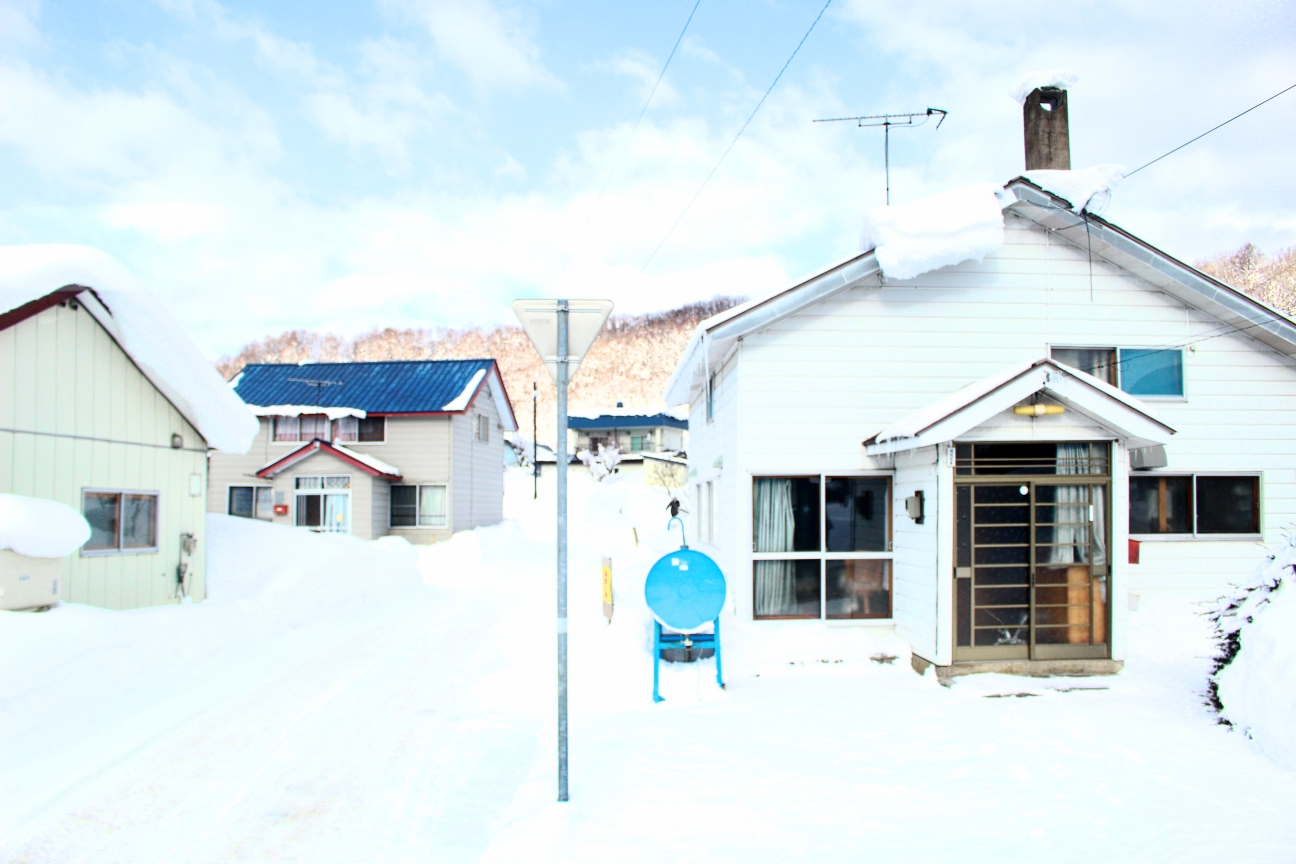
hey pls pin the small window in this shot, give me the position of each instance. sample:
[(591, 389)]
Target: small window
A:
[(1228, 505), (286, 428), (372, 430), (419, 506), (251, 502), (710, 397), (481, 428), (1151, 371), (121, 521), (1206, 504), (404, 506), (1098, 362), (1160, 505), (432, 506), (346, 430)]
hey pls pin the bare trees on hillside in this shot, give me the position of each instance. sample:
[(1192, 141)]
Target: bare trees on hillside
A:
[(1271, 278)]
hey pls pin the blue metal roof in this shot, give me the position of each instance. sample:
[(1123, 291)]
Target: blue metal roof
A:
[(384, 387), (626, 421)]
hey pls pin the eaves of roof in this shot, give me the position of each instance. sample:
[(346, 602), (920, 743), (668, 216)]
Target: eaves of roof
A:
[(372, 467)]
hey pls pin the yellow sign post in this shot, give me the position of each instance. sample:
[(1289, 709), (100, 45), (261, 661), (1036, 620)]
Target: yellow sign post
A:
[(607, 589)]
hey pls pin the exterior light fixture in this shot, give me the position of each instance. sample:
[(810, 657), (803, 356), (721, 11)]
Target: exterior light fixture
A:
[(1037, 410), (177, 441)]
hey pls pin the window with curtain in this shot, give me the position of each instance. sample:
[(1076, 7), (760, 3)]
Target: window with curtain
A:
[(424, 506), (286, 428), (821, 547), (346, 430)]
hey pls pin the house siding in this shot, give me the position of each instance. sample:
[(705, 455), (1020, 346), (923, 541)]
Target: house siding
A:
[(477, 496), (75, 414)]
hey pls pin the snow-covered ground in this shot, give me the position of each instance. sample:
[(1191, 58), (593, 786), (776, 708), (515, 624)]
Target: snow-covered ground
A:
[(344, 701)]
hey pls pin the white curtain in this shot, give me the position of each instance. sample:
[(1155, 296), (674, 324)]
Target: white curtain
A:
[(1071, 505), (336, 517), (774, 526)]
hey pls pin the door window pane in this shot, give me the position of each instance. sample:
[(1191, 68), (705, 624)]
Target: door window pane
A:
[(1228, 505), (100, 510), (139, 527), (785, 514), (1160, 505), (404, 506), (309, 511), (372, 429), (855, 513), (241, 501), (432, 506), (1151, 371), (1098, 362), (858, 589), (786, 589)]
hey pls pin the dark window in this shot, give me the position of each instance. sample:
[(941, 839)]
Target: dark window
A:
[(373, 429), (404, 506), (785, 515), (859, 588), (1228, 505), (855, 513), (1160, 505), (786, 589), (241, 501), (309, 512), (139, 522), (1098, 362), (100, 509), (1151, 371)]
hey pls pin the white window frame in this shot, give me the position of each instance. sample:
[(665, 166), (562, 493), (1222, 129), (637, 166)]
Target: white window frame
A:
[(418, 508), (1192, 485), (297, 492), (119, 549), (229, 486), (481, 428), (383, 418), (823, 555), (1117, 349)]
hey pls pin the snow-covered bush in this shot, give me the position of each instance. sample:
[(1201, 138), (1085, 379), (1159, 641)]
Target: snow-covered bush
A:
[(604, 463), (1253, 683)]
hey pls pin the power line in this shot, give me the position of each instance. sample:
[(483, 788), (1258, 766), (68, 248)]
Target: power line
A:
[(680, 218), (626, 145), (1209, 131)]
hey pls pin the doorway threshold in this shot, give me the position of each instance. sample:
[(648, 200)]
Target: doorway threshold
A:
[(1028, 668)]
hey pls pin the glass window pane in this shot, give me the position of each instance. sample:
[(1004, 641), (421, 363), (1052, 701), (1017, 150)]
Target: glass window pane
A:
[(432, 506), (786, 589), (346, 429), (286, 428), (240, 501), (139, 527), (372, 428), (264, 502), (309, 511), (855, 513), (100, 510), (308, 482), (1160, 505), (341, 482), (857, 589), (1098, 362), (1228, 505), (1151, 371), (404, 506), (785, 514), (313, 426)]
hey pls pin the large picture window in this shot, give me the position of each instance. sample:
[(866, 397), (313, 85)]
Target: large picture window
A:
[(822, 547), (419, 506), (1137, 371), (120, 521), (1192, 505)]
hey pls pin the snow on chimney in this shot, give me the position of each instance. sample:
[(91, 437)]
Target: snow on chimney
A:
[(1048, 138)]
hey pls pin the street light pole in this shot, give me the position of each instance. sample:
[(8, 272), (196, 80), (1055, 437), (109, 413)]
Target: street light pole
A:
[(563, 360)]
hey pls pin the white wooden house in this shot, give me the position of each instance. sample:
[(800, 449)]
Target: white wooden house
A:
[(108, 408), (993, 458)]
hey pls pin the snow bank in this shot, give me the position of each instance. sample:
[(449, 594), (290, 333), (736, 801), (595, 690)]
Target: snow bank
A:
[(1084, 189), (144, 329), (40, 528), (959, 225), (1063, 79), (1255, 685), (296, 410)]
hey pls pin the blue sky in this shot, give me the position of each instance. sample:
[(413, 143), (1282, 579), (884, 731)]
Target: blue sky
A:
[(347, 165)]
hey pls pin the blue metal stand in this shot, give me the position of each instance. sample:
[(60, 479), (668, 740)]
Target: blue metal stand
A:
[(664, 641)]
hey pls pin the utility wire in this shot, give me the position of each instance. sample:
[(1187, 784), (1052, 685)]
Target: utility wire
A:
[(626, 145), (680, 218), (1209, 131)]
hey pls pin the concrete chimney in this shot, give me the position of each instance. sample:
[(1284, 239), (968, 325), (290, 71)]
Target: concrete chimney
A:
[(1048, 139)]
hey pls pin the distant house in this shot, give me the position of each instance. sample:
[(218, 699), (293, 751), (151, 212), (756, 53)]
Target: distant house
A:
[(107, 407), (633, 434), (413, 448), (991, 436)]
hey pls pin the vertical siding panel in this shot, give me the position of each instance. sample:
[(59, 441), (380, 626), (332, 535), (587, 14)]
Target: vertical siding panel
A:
[(25, 364), (8, 360), (65, 379), (46, 366), (102, 368), (88, 333)]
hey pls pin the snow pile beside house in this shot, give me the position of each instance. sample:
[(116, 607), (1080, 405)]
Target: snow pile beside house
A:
[(1084, 189), (40, 528), (1061, 79), (1254, 685), (143, 328), (962, 224)]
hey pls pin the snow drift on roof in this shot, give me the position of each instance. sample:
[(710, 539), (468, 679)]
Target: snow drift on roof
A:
[(40, 528), (1086, 188), (332, 412), (1062, 79), (143, 328), (364, 458), (959, 225), (461, 401)]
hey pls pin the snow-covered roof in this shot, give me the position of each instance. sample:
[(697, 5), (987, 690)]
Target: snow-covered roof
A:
[(965, 409), (964, 224), (363, 461), (330, 411), (1082, 186), (140, 325), (40, 528), (1060, 79)]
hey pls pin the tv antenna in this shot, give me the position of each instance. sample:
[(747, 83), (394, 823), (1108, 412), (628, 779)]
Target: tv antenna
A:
[(886, 121), (318, 383)]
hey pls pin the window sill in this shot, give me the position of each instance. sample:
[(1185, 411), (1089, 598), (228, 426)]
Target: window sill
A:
[(103, 553), (860, 622), (1157, 398), (417, 527), (1168, 538)]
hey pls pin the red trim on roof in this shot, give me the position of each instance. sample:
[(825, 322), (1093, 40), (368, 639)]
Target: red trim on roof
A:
[(39, 305), (318, 445)]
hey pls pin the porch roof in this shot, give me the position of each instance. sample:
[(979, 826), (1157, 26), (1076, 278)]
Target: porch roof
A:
[(363, 461), (956, 414)]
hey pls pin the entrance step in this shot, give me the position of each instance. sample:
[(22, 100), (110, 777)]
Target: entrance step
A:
[(1031, 668)]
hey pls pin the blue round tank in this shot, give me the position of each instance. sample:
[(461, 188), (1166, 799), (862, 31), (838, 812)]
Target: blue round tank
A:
[(685, 590)]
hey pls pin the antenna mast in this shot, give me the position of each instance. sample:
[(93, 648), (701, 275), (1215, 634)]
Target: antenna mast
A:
[(886, 121)]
